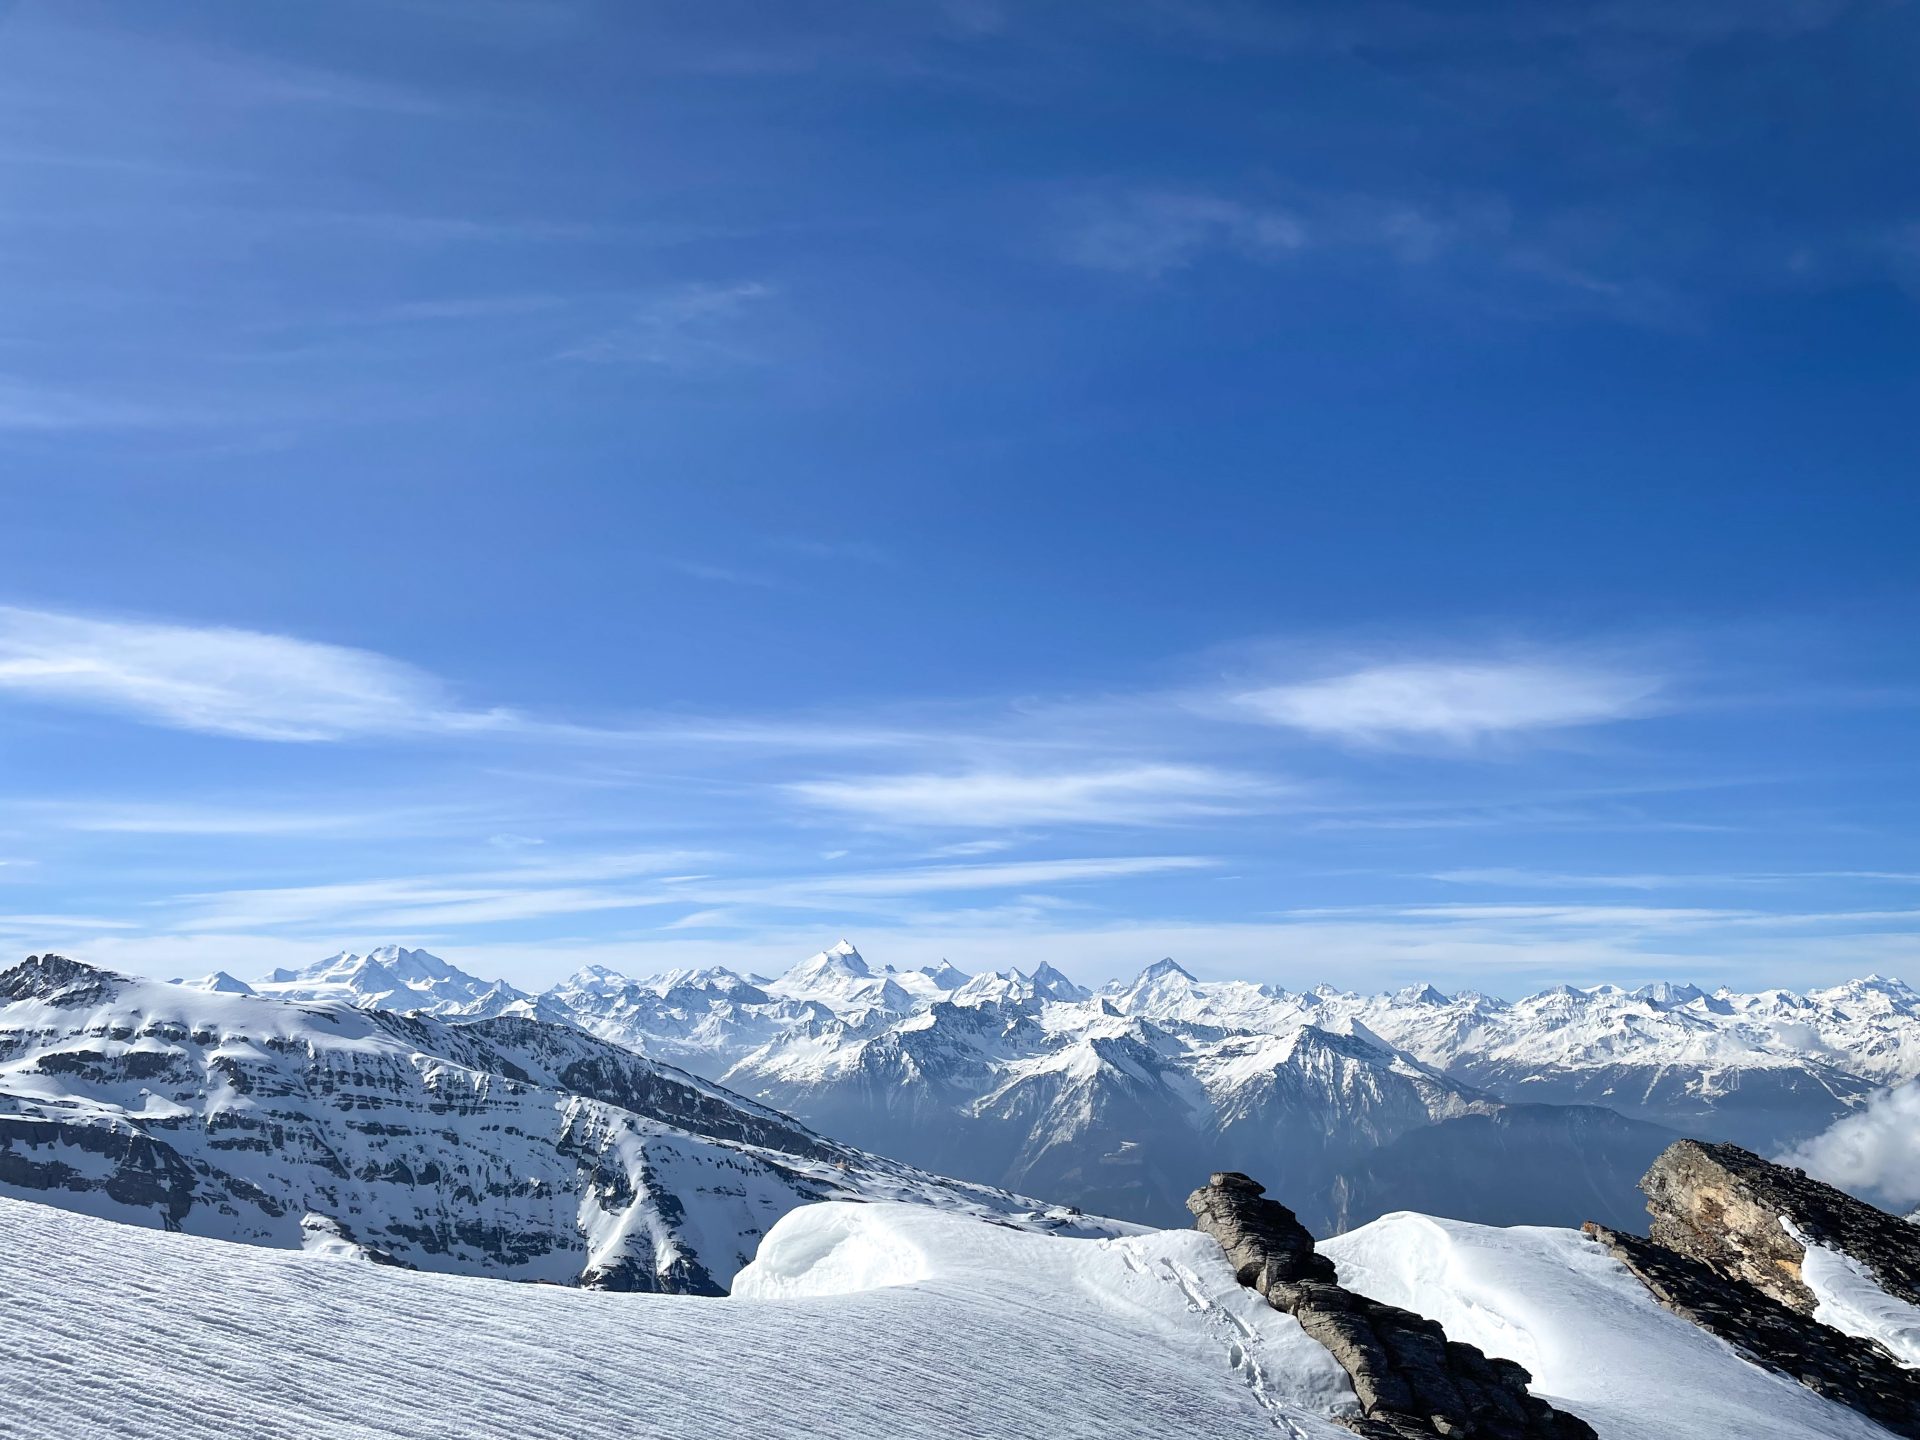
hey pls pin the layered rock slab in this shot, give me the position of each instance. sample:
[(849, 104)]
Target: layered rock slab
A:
[(1850, 1371), (1724, 1206), (1410, 1379)]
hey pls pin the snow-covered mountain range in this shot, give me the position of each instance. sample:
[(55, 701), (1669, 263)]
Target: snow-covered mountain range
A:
[(506, 1146), (1501, 1111)]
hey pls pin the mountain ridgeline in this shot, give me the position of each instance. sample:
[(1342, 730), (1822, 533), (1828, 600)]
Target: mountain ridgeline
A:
[(507, 1146), (1465, 1105)]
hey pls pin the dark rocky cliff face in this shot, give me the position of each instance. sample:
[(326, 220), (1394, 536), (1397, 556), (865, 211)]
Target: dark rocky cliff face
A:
[(1410, 1379), (1849, 1371), (1721, 1257), (1723, 1205)]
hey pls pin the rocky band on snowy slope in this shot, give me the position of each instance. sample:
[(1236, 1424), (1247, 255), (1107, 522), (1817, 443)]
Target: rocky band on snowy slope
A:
[(1798, 1277)]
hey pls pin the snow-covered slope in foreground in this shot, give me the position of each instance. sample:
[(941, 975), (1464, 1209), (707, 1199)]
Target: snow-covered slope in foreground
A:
[(1593, 1339), (109, 1331), (855, 1322)]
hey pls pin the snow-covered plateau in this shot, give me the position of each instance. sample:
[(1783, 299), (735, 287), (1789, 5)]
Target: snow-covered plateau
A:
[(855, 1321)]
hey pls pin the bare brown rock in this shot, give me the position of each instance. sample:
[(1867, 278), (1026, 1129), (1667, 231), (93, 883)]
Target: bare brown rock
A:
[(1723, 1206), (1410, 1379)]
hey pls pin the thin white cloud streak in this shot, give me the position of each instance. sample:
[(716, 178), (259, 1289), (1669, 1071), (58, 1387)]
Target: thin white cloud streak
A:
[(1451, 702), (378, 905), (1151, 233), (1625, 918), (569, 887), (217, 681), (36, 409), (1551, 880), (1116, 795), (140, 818), (1874, 1151), (64, 922), (972, 847), (692, 328), (1012, 875)]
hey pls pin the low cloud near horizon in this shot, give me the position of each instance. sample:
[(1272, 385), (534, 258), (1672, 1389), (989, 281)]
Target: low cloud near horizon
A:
[(1874, 1153)]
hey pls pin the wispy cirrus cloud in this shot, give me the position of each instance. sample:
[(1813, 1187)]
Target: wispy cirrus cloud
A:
[(30, 408), (588, 884), (221, 681), (1120, 794), (691, 328), (1453, 702), (1152, 232), (1677, 880)]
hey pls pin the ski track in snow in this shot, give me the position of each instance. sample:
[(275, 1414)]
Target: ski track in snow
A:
[(111, 1331)]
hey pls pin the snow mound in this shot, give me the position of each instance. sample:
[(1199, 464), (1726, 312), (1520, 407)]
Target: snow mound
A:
[(832, 1250), (1595, 1342)]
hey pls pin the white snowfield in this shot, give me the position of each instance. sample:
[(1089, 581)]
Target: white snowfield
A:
[(855, 1321), (111, 1331), (1851, 1300), (1593, 1339)]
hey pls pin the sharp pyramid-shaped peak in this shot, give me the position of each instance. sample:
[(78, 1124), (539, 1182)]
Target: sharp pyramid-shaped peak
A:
[(1050, 983), (1422, 995), (838, 959), (1162, 988)]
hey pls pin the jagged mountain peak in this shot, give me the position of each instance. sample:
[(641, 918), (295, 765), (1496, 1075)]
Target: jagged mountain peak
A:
[(1668, 992), (219, 982), (393, 977), (946, 975), (57, 979), (841, 960)]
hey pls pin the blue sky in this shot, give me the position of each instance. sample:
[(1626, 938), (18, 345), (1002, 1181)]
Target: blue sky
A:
[(1365, 493)]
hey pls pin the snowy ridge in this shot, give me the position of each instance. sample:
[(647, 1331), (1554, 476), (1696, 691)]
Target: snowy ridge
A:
[(506, 1147)]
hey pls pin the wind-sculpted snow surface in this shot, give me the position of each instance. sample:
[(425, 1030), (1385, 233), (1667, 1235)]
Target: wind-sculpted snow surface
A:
[(1849, 1298), (966, 1331), (1593, 1339), (857, 1322), (506, 1147)]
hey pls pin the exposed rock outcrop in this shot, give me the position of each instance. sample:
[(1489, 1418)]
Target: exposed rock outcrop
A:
[(1722, 1206), (1843, 1369), (1410, 1379)]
